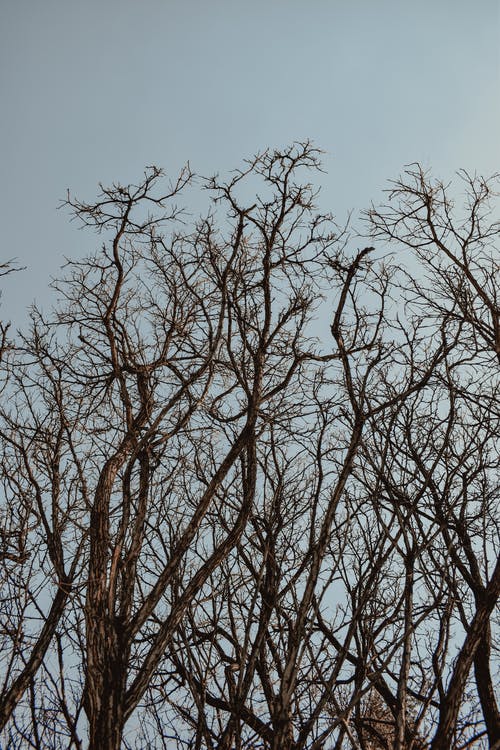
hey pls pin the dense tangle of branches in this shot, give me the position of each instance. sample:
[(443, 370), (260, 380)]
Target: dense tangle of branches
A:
[(249, 474)]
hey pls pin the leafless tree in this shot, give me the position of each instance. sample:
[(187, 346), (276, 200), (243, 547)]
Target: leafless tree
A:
[(449, 439), (231, 524)]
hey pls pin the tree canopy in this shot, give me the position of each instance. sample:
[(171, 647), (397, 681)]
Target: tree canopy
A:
[(249, 472)]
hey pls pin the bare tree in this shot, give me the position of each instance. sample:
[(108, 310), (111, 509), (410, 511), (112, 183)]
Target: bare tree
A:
[(452, 451), (230, 524)]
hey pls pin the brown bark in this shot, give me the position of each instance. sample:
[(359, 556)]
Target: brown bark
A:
[(485, 689), (107, 655), (478, 629), (106, 694)]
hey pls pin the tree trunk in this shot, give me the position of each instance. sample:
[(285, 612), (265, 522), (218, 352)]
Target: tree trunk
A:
[(485, 689), (283, 729), (477, 632), (105, 691)]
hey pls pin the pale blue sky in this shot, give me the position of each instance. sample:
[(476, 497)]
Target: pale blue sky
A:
[(96, 90)]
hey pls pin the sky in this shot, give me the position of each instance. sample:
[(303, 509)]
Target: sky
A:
[(96, 90)]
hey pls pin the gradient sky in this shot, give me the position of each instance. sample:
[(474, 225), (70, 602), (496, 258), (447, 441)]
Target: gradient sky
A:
[(95, 90)]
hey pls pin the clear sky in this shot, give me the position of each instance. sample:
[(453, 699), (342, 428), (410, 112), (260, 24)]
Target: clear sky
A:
[(97, 89)]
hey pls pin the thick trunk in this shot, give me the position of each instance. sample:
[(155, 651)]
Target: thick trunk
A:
[(105, 691), (478, 630), (107, 644), (485, 689), (283, 729)]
